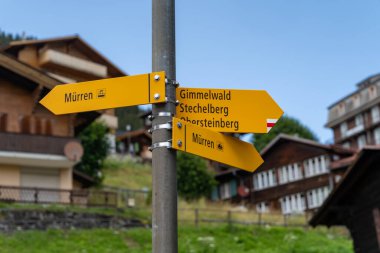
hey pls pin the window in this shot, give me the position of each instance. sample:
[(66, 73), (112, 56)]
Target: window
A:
[(264, 179), (225, 191), (362, 141), (284, 175), (341, 109), (324, 164), (343, 129), (214, 194), (376, 135), (260, 181), (356, 101), (347, 144), (270, 178), (310, 167), (290, 173), (358, 120), (255, 182), (316, 165), (372, 92), (297, 172), (316, 197), (294, 203), (375, 114)]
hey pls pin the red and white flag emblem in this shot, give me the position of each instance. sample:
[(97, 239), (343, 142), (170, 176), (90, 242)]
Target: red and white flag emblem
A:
[(270, 124)]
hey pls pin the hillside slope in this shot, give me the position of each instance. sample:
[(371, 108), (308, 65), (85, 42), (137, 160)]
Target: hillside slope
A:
[(127, 173)]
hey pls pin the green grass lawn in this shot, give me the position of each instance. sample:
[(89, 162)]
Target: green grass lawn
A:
[(126, 173), (210, 239)]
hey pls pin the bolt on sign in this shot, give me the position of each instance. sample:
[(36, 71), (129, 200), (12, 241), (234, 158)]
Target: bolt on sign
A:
[(215, 146), (225, 110), (106, 93)]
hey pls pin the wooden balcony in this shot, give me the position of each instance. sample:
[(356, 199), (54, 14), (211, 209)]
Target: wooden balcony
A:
[(41, 144)]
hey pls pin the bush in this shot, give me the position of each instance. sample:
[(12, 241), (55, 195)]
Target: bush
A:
[(194, 180), (95, 145)]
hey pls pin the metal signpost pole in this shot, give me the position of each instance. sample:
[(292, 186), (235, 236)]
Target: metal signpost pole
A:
[(164, 217)]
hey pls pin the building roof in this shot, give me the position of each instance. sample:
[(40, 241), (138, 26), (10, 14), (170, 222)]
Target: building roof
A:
[(86, 48), (28, 72), (31, 78), (361, 85), (132, 134), (285, 137), (330, 212)]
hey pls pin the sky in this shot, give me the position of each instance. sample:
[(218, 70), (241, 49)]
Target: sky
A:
[(306, 54)]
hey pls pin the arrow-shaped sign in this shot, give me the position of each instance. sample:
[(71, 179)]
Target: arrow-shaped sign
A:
[(225, 110), (215, 146), (106, 93)]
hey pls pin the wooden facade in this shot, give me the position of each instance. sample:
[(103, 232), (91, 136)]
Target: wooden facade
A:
[(68, 60), (32, 140), (355, 203), (36, 147), (297, 176)]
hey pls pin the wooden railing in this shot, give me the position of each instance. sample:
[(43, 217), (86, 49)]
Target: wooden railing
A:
[(14, 194)]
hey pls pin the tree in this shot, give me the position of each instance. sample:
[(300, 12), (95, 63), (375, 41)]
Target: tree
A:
[(286, 125), (129, 116), (194, 180), (5, 38), (95, 145)]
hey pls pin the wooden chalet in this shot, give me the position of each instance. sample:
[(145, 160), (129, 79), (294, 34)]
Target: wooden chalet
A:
[(37, 148), (32, 140), (297, 176), (69, 60), (355, 202)]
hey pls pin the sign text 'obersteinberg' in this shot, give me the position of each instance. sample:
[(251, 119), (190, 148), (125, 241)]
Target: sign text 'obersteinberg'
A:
[(208, 108)]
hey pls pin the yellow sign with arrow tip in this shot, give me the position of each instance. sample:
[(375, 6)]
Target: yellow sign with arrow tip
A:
[(106, 93), (225, 110), (214, 146)]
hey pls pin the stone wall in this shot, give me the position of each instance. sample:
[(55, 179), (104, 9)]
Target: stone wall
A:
[(12, 220)]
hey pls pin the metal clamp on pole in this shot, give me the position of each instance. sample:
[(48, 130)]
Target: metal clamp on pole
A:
[(160, 114), (163, 144), (167, 126), (172, 82), (165, 114), (171, 101)]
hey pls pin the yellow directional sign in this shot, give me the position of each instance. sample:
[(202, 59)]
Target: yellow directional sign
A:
[(224, 110), (214, 146), (106, 93)]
